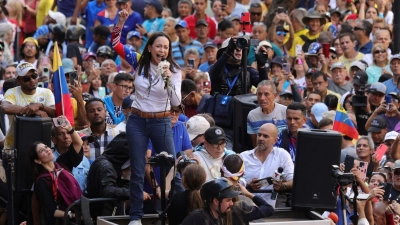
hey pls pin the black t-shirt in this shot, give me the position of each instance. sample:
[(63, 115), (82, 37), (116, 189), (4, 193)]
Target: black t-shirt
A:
[(73, 50), (394, 195), (361, 118)]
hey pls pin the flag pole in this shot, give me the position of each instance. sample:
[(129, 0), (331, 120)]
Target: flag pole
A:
[(59, 76)]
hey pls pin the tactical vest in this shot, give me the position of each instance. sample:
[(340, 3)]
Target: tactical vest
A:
[(232, 76)]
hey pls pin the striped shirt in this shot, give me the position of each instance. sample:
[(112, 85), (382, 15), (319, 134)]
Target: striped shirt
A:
[(257, 118), (178, 51)]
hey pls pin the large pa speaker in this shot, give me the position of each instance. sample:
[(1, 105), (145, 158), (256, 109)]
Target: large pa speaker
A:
[(242, 105), (313, 185), (27, 131)]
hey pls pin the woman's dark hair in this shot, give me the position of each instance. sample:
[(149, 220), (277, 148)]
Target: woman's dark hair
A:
[(193, 177), (380, 174), (32, 156), (385, 77), (331, 101), (225, 24), (21, 51), (377, 12), (188, 86), (144, 62)]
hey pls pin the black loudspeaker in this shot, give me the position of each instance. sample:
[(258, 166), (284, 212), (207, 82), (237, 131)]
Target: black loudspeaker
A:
[(242, 105), (313, 185), (27, 131)]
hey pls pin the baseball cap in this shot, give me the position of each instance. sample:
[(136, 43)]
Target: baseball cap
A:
[(318, 110), (396, 164), (102, 31), (280, 60), (395, 95), (156, 3), (311, 71), (23, 68), (68, 65), (285, 92), (85, 137), (392, 135), (214, 134), (127, 102), (196, 125), (377, 87), (360, 78), (31, 39), (210, 44), (122, 1), (358, 64), (332, 49), (233, 17), (201, 22), (396, 56), (338, 65), (58, 17), (182, 24), (281, 28), (133, 33), (87, 55), (377, 124)]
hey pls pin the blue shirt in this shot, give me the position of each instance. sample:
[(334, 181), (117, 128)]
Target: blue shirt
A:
[(104, 20), (251, 57), (152, 25), (67, 7), (365, 49), (94, 46), (178, 51), (374, 73), (390, 86), (80, 172), (130, 25), (92, 9), (204, 67)]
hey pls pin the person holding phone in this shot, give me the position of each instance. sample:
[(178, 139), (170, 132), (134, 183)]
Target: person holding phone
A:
[(364, 150), (278, 34)]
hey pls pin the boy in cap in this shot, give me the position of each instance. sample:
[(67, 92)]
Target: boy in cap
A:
[(388, 111), (135, 39)]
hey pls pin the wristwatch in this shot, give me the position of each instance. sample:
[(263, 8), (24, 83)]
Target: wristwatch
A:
[(284, 186)]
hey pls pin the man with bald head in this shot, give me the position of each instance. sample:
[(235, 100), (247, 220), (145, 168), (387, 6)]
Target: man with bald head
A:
[(262, 161)]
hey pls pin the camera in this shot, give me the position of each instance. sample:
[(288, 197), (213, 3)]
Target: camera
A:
[(360, 100), (162, 160), (342, 178), (242, 42), (184, 162)]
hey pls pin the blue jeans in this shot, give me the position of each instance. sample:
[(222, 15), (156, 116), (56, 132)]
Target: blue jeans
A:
[(139, 131)]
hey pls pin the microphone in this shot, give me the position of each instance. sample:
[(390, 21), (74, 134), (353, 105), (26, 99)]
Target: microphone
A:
[(278, 177), (164, 65)]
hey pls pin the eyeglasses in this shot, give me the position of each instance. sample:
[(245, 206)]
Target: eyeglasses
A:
[(281, 33), (174, 111), (221, 144), (396, 173), (103, 56), (333, 56), (286, 97), (125, 87), (255, 14), (358, 28), (183, 99), (379, 51), (28, 78)]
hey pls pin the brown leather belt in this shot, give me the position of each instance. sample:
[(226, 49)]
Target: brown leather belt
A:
[(150, 115)]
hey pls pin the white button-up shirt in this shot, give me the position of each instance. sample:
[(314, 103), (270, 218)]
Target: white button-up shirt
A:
[(254, 168)]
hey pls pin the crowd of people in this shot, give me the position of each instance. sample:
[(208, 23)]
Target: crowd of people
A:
[(137, 68)]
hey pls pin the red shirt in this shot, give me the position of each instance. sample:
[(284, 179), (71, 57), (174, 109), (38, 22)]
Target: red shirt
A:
[(191, 22)]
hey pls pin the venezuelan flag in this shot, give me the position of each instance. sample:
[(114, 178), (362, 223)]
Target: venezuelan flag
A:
[(343, 124), (60, 86)]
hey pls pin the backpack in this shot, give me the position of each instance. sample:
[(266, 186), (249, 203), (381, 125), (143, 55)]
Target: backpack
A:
[(65, 184), (285, 140), (307, 42)]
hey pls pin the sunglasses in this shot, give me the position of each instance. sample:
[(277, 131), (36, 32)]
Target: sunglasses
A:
[(358, 28), (333, 56), (299, 62), (255, 14), (379, 51), (281, 33), (28, 78)]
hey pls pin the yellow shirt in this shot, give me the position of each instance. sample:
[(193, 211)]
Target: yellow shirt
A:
[(348, 62), (75, 108), (16, 97), (298, 41), (329, 92), (42, 11)]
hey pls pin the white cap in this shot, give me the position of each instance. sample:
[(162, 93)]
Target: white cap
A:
[(23, 68), (58, 17), (196, 126), (392, 135)]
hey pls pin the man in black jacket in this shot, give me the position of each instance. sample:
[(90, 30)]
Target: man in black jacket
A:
[(105, 178)]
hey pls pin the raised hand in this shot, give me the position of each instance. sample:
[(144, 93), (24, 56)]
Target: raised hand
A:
[(122, 17)]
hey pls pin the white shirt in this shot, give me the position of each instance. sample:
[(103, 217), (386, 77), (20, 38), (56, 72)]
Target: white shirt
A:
[(211, 165), (156, 99), (254, 168)]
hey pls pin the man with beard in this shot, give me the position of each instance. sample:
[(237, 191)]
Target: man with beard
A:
[(102, 132), (262, 161), (26, 99), (30, 51), (338, 82)]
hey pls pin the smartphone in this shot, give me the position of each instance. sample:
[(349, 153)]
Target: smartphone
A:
[(59, 122), (102, 92), (207, 84), (191, 63), (388, 189), (348, 163), (265, 181), (224, 2), (72, 77), (382, 184), (280, 10), (380, 151), (299, 49), (325, 49), (286, 68), (360, 196), (245, 19), (96, 64), (388, 100), (363, 169)]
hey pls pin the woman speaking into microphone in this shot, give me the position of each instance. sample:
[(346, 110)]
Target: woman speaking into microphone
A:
[(157, 83)]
